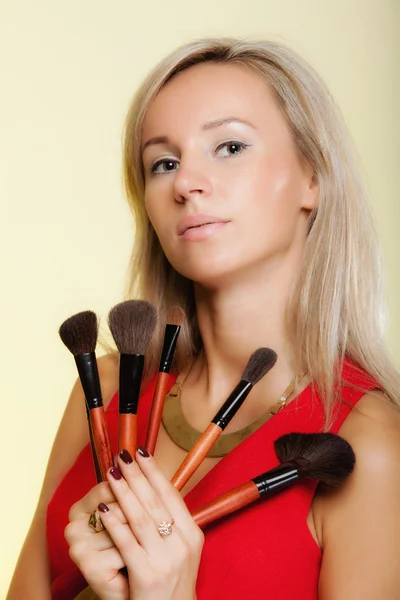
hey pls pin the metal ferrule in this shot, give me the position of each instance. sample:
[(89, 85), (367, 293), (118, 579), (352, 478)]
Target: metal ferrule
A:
[(170, 339), (232, 404), (130, 380), (278, 478), (89, 376)]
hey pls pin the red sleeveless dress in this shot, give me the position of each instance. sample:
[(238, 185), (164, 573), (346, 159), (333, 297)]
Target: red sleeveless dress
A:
[(264, 551)]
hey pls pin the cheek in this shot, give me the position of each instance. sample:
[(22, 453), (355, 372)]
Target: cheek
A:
[(268, 193), (154, 212)]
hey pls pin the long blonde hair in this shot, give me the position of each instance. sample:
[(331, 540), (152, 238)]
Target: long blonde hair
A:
[(336, 309)]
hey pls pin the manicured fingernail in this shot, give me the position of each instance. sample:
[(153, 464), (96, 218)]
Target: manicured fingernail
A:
[(103, 508), (126, 457), (116, 473), (143, 452)]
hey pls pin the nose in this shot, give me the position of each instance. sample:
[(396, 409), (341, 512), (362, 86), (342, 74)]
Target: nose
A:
[(190, 182)]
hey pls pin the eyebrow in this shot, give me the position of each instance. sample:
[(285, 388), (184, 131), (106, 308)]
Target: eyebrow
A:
[(163, 139)]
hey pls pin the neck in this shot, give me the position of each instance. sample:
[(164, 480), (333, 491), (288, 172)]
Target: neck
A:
[(235, 320)]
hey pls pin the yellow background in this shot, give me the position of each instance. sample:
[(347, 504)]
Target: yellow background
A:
[(68, 70)]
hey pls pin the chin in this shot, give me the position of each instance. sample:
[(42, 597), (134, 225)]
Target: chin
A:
[(209, 272)]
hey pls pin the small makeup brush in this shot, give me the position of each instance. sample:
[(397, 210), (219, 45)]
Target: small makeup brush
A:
[(260, 362), (79, 333), (132, 325), (175, 318), (325, 457)]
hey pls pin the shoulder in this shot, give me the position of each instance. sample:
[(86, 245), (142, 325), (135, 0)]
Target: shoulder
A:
[(373, 430), (359, 521)]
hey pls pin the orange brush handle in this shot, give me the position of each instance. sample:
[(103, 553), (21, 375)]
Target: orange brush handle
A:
[(196, 455), (101, 440), (127, 432), (94, 453), (226, 504), (156, 411)]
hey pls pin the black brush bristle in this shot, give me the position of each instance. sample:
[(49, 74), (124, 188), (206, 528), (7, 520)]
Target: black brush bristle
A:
[(79, 332), (330, 457), (260, 362), (132, 325)]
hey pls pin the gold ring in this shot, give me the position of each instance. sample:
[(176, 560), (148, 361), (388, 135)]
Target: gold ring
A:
[(95, 521), (165, 528)]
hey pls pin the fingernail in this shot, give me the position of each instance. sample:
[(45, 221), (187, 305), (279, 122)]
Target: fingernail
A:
[(116, 473), (126, 457), (103, 507), (143, 452)]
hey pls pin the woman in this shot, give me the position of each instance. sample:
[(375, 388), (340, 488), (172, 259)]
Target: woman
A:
[(251, 216)]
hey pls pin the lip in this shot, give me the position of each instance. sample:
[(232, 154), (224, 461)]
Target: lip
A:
[(193, 221)]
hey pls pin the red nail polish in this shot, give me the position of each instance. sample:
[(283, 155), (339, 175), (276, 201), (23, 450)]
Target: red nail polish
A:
[(126, 457), (116, 473), (103, 507), (143, 452)]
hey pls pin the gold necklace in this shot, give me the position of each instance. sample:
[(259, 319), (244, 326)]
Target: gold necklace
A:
[(184, 435)]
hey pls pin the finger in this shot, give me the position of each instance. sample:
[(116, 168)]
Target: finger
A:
[(121, 534), (85, 539), (170, 497), (143, 489), (142, 524), (116, 509), (100, 493), (98, 568)]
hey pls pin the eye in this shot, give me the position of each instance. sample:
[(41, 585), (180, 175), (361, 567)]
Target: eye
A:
[(165, 165), (231, 148)]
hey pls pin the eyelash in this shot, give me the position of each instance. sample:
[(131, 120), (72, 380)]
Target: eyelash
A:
[(242, 146)]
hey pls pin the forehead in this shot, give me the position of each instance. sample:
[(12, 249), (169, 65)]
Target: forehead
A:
[(208, 91)]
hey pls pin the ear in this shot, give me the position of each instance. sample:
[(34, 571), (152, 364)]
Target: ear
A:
[(311, 189)]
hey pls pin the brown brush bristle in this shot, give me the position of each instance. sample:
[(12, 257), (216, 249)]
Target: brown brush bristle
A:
[(330, 457), (175, 316), (132, 325), (260, 362), (79, 332)]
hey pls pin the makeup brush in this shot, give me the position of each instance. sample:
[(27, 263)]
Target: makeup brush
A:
[(79, 334), (132, 325), (260, 362), (175, 318), (325, 457)]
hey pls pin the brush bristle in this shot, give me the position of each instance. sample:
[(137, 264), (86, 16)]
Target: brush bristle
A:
[(175, 316), (79, 332), (132, 325), (330, 457), (260, 362)]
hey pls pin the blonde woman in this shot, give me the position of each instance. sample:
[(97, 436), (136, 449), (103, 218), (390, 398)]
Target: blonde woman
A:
[(251, 216)]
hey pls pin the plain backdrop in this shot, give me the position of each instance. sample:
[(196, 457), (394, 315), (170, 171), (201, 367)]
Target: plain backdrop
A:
[(68, 71)]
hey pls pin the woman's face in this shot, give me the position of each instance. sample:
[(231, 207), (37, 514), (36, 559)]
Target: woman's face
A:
[(224, 187)]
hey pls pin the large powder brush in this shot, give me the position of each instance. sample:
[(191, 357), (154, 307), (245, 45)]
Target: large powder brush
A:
[(324, 457), (132, 324), (79, 334)]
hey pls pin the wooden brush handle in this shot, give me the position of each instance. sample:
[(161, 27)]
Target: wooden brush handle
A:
[(156, 411), (127, 433), (226, 504), (101, 440), (94, 454), (196, 455), (92, 445)]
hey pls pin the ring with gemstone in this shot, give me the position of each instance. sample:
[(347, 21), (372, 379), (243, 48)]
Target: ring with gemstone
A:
[(95, 521), (165, 528)]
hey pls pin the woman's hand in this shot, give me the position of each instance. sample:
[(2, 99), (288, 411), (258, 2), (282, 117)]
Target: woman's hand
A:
[(132, 508), (94, 552)]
